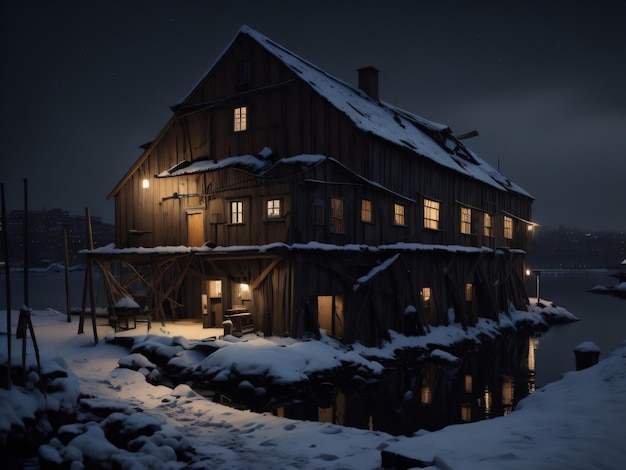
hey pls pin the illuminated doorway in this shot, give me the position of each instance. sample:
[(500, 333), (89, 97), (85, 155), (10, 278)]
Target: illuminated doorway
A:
[(212, 309), (195, 229), (330, 314)]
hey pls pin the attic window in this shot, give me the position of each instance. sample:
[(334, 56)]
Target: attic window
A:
[(244, 71), (240, 119)]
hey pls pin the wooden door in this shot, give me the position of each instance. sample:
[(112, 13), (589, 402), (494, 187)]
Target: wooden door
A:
[(195, 229), (330, 314)]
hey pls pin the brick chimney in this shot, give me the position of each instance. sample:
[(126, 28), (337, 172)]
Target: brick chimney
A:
[(368, 81)]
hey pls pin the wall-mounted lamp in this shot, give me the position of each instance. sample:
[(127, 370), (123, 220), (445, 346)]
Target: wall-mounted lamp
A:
[(145, 183), (537, 273)]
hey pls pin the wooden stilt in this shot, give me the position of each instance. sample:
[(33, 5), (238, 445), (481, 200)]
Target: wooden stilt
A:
[(67, 277), (7, 272), (23, 324), (90, 276), (25, 241)]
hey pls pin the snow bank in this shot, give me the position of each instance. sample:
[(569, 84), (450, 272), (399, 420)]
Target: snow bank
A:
[(576, 422)]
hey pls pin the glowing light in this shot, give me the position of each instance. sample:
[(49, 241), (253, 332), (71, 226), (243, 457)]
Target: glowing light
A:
[(145, 183), (244, 291)]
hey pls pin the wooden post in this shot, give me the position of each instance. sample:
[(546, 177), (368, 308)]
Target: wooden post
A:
[(5, 241), (25, 242), (587, 355), (26, 323), (67, 277), (90, 275), (81, 318)]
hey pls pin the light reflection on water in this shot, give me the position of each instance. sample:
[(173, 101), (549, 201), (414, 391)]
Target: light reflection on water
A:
[(415, 396), (602, 320)]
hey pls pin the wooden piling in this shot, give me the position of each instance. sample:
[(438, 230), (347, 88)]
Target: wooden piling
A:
[(587, 355), (7, 272)]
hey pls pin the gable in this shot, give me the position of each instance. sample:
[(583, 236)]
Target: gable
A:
[(424, 138)]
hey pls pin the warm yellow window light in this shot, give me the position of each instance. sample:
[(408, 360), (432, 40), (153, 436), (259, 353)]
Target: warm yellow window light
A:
[(244, 291), (145, 183)]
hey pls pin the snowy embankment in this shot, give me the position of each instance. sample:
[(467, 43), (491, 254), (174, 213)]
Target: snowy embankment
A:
[(123, 420)]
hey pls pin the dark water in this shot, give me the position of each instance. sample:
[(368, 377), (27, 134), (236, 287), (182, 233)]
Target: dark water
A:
[(46, 289), (602, 320), (485, 384), (429, 396)]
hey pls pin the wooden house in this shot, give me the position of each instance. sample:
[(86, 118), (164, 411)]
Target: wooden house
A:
[(279, 190)]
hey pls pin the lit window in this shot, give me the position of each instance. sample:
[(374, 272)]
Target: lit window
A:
[(273, 209), (469, 292), (236, 212), (508, 228), (466, 220), (398, 214), (487, 225), (431, 214), (336, 215), (366, 210), (426, 294), (240, 119)]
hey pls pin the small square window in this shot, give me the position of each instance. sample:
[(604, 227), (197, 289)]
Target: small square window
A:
[(273, 209), (240, 119)]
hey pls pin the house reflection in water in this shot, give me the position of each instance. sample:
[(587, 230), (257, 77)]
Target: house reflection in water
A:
[(431, 396)]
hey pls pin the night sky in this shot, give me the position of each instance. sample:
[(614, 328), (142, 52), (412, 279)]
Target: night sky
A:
[(84, 84)]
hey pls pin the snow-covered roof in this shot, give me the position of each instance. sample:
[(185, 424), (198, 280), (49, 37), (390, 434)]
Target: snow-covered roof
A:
[(426, 138), (249, 162), (259, 166), (111, 249)]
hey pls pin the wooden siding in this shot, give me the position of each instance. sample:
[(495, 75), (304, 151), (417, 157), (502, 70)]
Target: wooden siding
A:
[(287, 116)]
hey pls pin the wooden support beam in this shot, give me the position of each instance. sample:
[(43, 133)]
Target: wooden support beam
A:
[(255, 283)]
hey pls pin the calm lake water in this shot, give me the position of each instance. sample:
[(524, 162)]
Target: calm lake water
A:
[(602, 320), (428, 396)]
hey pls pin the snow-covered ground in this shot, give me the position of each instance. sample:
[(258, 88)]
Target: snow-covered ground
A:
[(576, 422)]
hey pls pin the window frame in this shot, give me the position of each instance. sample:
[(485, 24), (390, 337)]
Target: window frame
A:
[(270, 212), (487, 225), (432, 214), (319, 212), (466, 220), (236, 216), (399, 217), (337, 221), (367, 214), (240, 119), (507, 225)]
